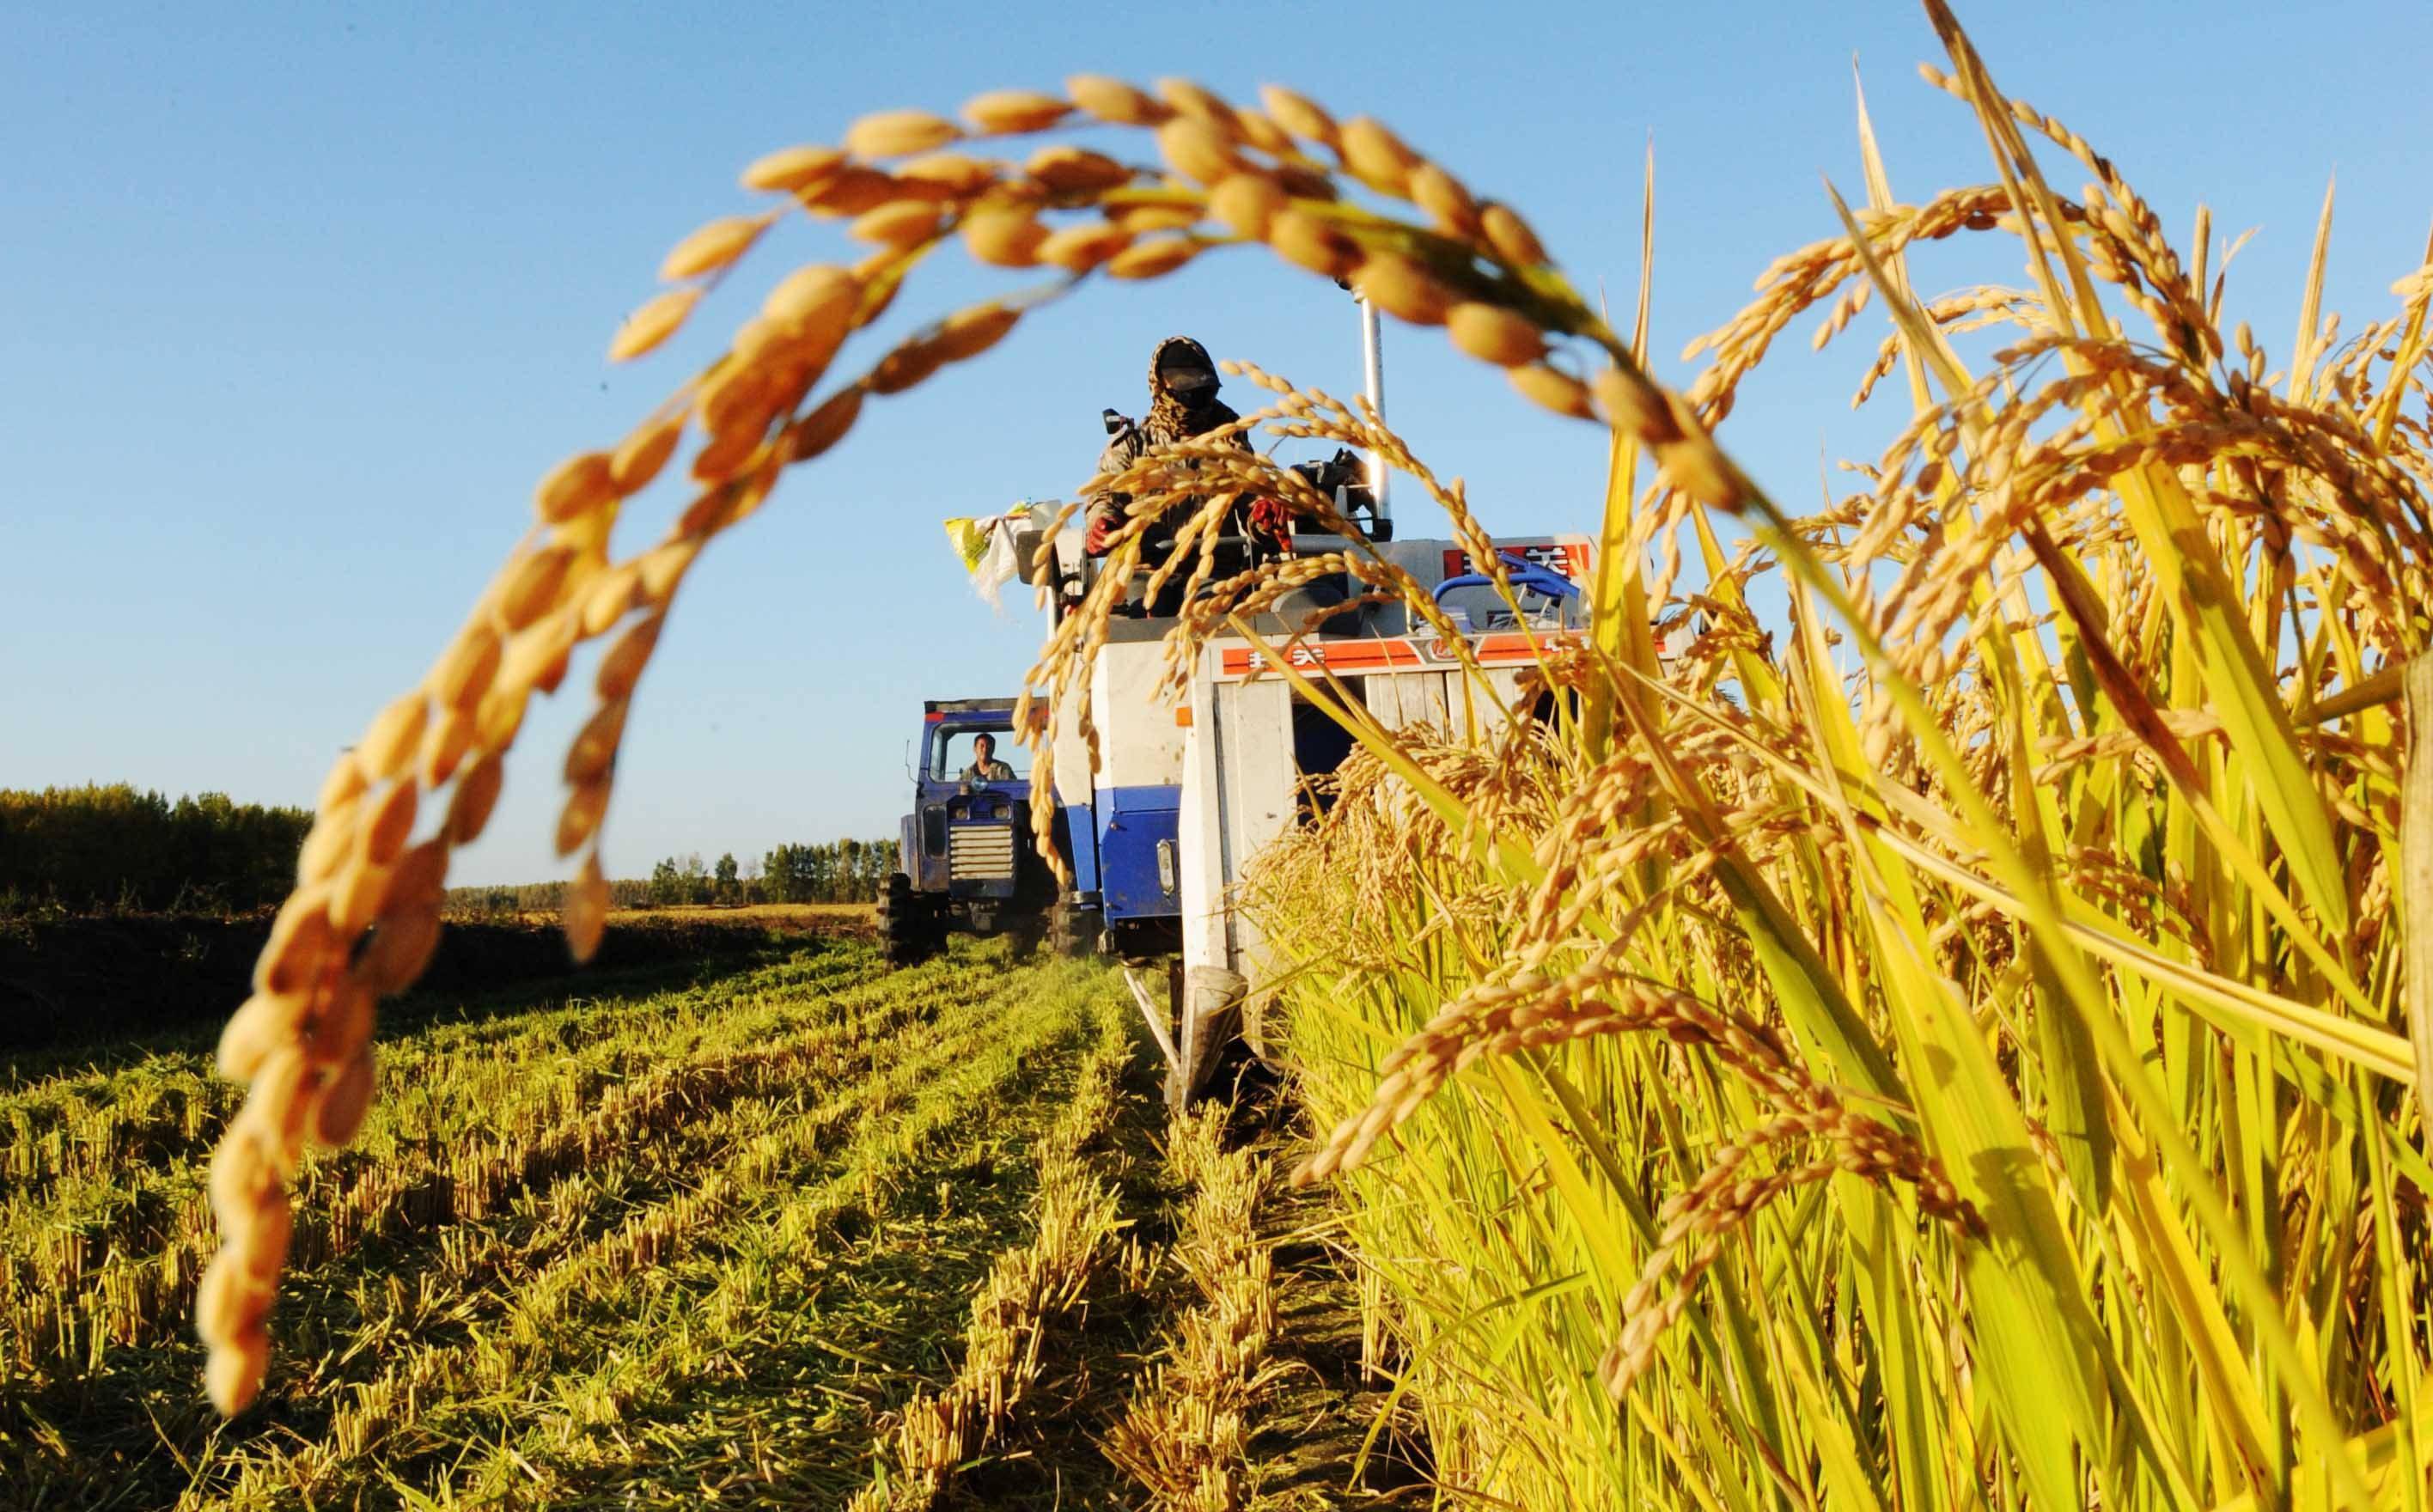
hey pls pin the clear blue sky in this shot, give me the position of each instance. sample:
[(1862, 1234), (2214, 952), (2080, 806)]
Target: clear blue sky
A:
[(302, 299)]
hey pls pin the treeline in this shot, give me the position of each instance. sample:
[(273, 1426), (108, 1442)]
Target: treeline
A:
[(115, 848), (843, 871), (504, 902)]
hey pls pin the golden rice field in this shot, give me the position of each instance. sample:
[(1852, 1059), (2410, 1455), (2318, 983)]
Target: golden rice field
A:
[(1952, 1031), (794, 1231), (1963, 1039)]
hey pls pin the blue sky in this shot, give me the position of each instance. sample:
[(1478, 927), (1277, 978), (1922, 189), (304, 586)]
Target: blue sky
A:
[(302, 299)]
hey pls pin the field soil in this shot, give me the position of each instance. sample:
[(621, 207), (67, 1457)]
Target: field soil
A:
[(758, 1225)]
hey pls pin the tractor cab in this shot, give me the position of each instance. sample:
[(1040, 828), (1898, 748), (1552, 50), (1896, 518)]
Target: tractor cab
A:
[(969, 863), (966, 839)]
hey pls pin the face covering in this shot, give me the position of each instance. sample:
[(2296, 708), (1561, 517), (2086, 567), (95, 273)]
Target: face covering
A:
[(1194, 387)]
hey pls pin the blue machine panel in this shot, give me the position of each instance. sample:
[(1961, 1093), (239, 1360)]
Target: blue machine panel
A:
[(924, 861), (1073, 824), (1139, 870)]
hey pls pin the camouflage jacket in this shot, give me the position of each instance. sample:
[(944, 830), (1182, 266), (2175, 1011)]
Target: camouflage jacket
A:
[(1169, 420)]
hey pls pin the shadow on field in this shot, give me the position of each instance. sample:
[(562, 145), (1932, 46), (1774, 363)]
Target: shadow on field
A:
[(69, 984)]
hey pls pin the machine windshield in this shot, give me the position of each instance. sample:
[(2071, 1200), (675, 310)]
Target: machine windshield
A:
[(957, 751)]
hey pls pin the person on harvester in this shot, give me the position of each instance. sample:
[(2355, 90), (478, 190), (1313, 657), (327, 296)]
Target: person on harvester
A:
[(1183, 403)]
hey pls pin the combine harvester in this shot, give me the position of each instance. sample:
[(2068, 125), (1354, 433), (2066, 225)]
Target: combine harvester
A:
[(1186, 792)]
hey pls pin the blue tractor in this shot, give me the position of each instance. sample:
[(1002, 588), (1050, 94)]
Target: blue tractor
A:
[(971, 864)]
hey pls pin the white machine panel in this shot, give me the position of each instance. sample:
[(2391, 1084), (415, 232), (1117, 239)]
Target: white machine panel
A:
[(1073, 777), (1140, 743)]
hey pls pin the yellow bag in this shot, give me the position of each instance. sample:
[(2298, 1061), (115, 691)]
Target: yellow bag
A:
[(970, 540)]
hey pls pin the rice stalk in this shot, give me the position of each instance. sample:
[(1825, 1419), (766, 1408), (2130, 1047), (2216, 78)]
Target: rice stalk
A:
[(2051, 876), (1184, 1438), (1031, 1286)]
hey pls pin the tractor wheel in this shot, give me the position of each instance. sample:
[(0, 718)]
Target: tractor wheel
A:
[(1073, 930), (905, 931)]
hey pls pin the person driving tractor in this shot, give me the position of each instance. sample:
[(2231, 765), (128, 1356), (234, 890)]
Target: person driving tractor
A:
[(1182, 386), (985, 767)]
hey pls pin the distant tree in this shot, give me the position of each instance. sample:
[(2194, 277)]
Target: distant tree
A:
[(106, 846), (843, 871), (785, 875), (838, 870)]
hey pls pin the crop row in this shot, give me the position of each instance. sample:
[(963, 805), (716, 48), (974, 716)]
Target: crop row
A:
[(71, 1292), (1075, 1218), (410, 1237), (99, 1124), (593, 1327), (1186, 1435)]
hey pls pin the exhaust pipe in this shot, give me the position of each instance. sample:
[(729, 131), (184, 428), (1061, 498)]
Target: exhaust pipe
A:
[(1373, 362)]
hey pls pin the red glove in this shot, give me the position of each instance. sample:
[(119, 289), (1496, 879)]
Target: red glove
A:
[(1096, 541), (1270, 516)]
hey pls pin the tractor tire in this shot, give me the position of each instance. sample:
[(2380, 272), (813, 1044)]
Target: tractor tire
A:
[(906, 933), (1073, 930)]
